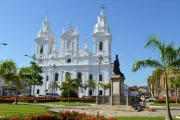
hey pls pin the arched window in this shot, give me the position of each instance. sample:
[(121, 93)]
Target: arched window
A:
[(79, 75), (56, 76), (41, 50), (101, 45)]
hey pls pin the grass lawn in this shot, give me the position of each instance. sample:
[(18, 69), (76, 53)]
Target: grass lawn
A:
[(70, 104), (24, 110), (164, 104), (141, 118)]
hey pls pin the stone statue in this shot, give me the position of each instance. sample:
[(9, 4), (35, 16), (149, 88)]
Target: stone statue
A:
[(116, 69)]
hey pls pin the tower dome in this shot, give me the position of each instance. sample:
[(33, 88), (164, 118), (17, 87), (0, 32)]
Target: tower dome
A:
[(46, 30), (101, 25)]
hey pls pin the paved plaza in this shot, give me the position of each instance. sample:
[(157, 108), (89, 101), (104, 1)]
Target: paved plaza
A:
[(112, 111)]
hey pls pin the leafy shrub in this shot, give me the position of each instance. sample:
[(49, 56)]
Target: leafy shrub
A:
[(72, 93), (43, 100)]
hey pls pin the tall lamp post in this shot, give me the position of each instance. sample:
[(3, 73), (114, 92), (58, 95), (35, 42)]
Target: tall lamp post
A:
[(97, 97), (53, 88), (33, 70), (2, 44)]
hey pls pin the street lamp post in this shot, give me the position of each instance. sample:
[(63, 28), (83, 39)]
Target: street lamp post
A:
[(97, 97), (33, 61), (53, 88)]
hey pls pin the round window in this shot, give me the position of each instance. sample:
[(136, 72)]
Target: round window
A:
[(68, 60)]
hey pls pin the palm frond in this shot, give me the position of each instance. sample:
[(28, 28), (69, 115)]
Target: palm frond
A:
[(175, 64), (154, 43), (146, 63)]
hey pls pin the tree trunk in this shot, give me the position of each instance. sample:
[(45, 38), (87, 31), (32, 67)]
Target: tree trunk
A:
[(89, 92), (10, 91), (34, 91), (104, 96), (15, 97), (30, 90), (168, 113), (68, 94), (176, 96), (3, 92), (54, 92)]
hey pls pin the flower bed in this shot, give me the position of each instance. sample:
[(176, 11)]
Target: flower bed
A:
[(43, 100), (77, 99), (66, 115), (163, 100)]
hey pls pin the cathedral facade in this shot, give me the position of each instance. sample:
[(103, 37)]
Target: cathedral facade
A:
[(80, 63)]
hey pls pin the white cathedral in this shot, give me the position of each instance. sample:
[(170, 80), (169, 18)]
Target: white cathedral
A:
[(80, 63)]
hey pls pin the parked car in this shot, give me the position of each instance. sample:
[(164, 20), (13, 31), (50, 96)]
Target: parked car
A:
[(56, 95), (29, 95), (151, 99), (41, 96)]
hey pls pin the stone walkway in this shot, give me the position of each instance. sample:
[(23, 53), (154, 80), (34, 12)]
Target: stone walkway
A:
[(107, 112), (112, 111)]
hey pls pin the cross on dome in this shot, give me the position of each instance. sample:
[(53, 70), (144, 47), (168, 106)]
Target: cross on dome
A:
[(102, 8)]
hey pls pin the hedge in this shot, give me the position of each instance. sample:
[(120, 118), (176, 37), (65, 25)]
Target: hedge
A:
[(43, 100), (66, 115), (163, 100)]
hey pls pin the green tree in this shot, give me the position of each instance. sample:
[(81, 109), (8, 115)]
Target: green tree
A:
[(34, 76), (176, 85), (77, 83), (168, 57), (104, 86), (91, 85), (68, 84), (8, 71), (54, 85), (153, 79)]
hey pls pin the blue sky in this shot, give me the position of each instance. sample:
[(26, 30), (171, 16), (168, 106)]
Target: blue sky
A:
[(130, 21)]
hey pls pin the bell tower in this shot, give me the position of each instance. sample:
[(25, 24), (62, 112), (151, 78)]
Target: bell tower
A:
[(102, 36), (44, 40)]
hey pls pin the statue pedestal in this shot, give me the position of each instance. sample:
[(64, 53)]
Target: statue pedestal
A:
[(117, 90)]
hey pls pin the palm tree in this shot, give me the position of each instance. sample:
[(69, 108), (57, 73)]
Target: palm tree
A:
[(8, 72), (77, 83), (104, 86), (54, 85), (91, 85), (26, 74), (68, 84), (153, 79), (168, 57), (33, 75), (176, 85)]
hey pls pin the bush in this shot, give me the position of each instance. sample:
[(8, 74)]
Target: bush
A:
[(43, 100), (163, 100), (72, 93), (78, 99)]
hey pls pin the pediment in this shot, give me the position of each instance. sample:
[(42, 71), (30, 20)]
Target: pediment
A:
[(69, 33)]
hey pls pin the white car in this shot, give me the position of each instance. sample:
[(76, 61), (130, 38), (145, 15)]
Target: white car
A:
[(56, 95), (151, 99)]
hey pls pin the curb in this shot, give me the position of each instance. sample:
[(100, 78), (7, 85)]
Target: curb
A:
[(178, 117)]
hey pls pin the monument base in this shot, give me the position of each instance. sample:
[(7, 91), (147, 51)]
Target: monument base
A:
[(118, 100), (117, 90)]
